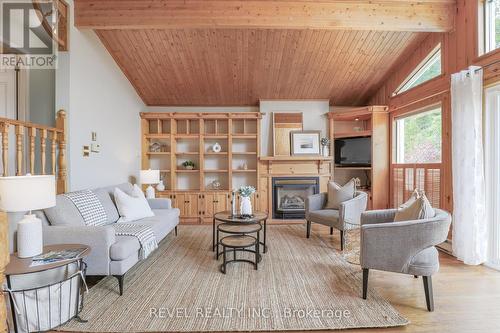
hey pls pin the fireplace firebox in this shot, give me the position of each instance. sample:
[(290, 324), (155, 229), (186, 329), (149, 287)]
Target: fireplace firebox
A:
[(289, 196)]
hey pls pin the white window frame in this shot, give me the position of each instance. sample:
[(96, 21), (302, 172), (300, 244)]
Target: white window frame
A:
[(419, 71), (489, 26)]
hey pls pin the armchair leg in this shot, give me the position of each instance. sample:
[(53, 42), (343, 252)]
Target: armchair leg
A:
[(331, 230), (176, 230), (365, 282), (342, 240), (121, 279), (308, 229), (429, 298)]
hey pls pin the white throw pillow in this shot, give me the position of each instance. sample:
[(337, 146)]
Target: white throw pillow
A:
[(414, 196), (338, 194), (420, 209), (132, 207)]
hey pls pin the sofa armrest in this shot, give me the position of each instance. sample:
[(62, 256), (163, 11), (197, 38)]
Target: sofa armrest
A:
[(160, 203), (350, 211), (378, 216), (98, 238)]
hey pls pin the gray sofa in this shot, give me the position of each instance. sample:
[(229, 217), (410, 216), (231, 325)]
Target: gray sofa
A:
[(407, 247), (111, 254)]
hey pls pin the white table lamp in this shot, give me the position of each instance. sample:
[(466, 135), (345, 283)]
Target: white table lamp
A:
[(24, 194), (150, 177)]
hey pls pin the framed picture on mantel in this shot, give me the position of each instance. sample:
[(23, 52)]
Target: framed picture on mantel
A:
[(305, 142)]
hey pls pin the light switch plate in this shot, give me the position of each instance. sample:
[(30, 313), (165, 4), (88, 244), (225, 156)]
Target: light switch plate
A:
[(95, 147)]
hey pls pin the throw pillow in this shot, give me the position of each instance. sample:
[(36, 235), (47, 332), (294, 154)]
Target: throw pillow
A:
[(414, 196), (338, 194), (132, 207), (420, 209)]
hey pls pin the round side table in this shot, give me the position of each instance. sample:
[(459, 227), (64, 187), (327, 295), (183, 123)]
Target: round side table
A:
[(40, 287), (352, 246)]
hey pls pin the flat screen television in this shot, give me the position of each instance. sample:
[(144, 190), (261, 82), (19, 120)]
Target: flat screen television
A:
[(353, 151)]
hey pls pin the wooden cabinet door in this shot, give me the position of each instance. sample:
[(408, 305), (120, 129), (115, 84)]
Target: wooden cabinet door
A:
[(179, 201), (191, 205), (221, 202), (208, 204)]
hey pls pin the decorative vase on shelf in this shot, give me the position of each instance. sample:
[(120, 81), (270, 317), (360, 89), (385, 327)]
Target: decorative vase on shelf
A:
[(160, 187), (326, 151), (216, 148), (245, 206)]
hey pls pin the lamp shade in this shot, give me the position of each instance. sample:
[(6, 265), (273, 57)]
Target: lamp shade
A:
[(24, 193), (150, 176)]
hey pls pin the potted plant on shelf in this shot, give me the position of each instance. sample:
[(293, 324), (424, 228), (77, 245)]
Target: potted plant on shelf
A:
[(188, 165), (245, 204)]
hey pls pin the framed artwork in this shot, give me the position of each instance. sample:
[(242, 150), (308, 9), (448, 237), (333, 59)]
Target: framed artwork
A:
[(305, 142)]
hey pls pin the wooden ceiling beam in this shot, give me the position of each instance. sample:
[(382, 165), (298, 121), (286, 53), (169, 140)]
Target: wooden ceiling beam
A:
[(381, 15)]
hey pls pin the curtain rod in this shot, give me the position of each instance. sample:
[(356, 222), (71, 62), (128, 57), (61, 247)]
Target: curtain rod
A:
[(486, 66)]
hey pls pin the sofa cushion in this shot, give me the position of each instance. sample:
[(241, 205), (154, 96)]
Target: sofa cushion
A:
[(124, 247), (328, 217), (125, 187), (133, 206), (164, 221), (64, 213), (107, 203)]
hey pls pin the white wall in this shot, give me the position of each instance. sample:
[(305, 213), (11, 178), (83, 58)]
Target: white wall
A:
[(313, 115), (98, 98)]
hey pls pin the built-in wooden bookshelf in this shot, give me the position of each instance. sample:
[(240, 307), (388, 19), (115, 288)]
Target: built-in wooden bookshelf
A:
[(169, 139)]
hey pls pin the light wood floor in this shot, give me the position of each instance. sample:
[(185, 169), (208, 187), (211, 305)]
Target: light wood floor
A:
[(466, 298)]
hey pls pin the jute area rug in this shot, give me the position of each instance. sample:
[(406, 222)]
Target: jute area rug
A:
[(301, 284)]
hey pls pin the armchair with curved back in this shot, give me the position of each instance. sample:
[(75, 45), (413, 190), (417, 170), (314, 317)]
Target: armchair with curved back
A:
[(406, 247)]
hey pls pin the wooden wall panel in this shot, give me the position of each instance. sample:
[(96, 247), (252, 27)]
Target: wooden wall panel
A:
[(241, 66)]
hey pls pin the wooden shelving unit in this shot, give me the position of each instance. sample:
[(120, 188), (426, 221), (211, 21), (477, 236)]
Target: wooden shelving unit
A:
[(190, 136), (373, 122)]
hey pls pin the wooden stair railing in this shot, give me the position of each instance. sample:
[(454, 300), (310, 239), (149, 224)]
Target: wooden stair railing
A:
[(25, 137)]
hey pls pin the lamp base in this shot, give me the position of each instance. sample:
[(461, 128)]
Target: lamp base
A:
[(29, 237), (150, 192)]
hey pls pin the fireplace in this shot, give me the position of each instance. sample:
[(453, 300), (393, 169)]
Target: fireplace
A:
[(289, 196)]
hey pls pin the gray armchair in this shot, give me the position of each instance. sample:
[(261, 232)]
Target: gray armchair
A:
[(349, 211), (406, 247)]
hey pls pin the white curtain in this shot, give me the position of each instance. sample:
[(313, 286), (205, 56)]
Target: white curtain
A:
[(469, 214), (492, 176)]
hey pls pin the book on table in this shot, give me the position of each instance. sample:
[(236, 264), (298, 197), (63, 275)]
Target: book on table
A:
[(57, 256)]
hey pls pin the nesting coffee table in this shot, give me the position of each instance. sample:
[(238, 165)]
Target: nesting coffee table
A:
[(236, 221), (242, 235)]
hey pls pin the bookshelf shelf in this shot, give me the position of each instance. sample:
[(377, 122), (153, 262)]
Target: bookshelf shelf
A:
[(190, 136)]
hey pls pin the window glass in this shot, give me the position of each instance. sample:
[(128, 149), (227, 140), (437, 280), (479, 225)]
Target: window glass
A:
[(492, 25), (418, 137), (428, 69)]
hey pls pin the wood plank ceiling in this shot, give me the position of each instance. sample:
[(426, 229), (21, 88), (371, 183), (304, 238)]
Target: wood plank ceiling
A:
[(240, 66)]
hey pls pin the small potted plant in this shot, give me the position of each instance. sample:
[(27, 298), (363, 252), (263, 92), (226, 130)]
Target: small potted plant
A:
[(325, 143), (188, 165), (245, 204)]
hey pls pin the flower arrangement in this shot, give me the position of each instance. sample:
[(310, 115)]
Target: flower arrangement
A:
[(189, 165), (325, 141), (246, 191)]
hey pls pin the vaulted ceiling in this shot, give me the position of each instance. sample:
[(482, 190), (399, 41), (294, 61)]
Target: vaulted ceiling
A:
[(181, 53)]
